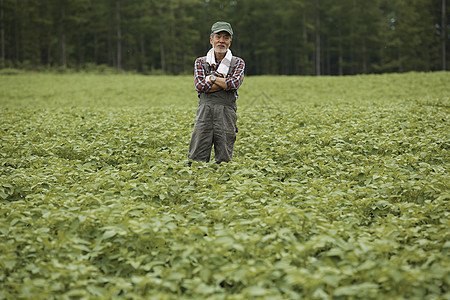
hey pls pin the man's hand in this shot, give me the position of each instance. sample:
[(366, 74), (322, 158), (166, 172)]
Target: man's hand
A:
[(219, 84)]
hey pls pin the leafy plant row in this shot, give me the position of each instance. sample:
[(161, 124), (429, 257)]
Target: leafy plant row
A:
[(324, 199)]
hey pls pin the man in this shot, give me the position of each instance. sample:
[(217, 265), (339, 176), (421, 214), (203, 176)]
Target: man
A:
[(218, 75)]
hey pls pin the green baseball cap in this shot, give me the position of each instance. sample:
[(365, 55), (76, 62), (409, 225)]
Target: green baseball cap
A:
[(222, 26)]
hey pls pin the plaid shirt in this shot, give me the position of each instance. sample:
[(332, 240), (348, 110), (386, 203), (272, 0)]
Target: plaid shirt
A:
[(233, 82)]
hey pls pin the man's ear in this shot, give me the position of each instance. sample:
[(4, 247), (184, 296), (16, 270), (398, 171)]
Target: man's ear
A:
[(211, 41)]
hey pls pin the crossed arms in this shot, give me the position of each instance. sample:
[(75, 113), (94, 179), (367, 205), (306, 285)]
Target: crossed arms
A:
[(231, 83)]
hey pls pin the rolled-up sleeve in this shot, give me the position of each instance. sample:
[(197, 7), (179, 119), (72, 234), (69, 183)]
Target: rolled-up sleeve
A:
[(237, 76), (201, 85)]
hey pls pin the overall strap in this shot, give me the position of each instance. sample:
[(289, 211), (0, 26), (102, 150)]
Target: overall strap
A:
[(205, 65), (232, 65)]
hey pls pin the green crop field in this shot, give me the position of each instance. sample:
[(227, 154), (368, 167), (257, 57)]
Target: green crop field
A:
[(339, 189)]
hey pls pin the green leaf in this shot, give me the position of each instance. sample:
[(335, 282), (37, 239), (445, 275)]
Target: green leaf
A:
[(365, 288)]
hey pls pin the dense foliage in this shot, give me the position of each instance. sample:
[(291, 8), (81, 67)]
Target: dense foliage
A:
[(300, 37), (339, 188)]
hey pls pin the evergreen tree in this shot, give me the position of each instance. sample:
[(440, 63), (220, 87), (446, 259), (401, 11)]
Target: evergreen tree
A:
[(292, 37)]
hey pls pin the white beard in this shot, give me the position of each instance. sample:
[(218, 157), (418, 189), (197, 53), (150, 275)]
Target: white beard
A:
[(218, 50)]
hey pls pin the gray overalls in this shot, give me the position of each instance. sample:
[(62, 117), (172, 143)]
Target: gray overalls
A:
[(215, 124)]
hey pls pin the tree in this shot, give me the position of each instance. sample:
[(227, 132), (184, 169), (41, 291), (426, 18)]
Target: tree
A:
[(119, 36), (2, 33), (274, 37), (444, 34), (317, 38)]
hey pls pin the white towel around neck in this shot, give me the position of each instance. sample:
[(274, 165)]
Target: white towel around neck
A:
[(224, 65)]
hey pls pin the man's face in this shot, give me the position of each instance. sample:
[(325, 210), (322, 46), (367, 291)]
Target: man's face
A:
[(221, 41)]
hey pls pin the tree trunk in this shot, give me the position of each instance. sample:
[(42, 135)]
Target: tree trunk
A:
[(62, 37), (143, 54), (2, 34), (95, 48), (119, 37), (328, 55), (111, 52), (364, 55), (63, 61), (296, 58), (352, 36), (341, 55), (317, 67), (17, 33), (163, 60), (305, 43), (49, 48), (444, 35)]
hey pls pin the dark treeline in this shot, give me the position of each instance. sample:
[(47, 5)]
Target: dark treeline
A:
[(302, 37)]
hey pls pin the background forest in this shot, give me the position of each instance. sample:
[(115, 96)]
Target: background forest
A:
[(292, 37)]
